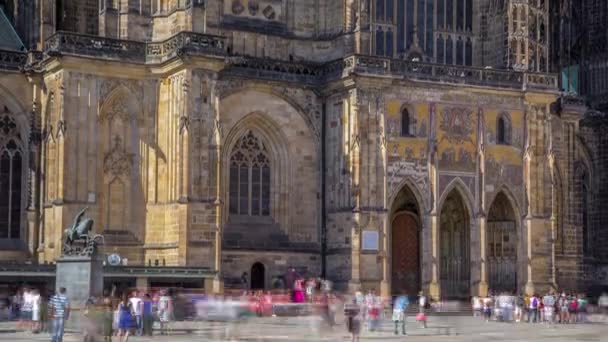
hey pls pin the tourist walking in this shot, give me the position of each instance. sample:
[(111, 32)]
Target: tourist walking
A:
[(399, 313), (60, 312), (26, 309), (549, 307), (582, 308), (90, 320), (106, 317), (487, 307), (136, 304), (563, 304), (422, 304), (533, 309), (354, 317), (573, 309), (477, 305), (165, 310), (147, 315), (125, 318), (36, 304)]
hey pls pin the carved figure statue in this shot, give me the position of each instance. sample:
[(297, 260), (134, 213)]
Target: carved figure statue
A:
[(80, 231)]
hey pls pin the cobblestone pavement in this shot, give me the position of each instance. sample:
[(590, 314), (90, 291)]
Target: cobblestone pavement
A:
[(448, 329)]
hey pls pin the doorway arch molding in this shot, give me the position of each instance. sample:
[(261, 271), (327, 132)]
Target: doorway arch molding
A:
[(410, 183), (461, 188)]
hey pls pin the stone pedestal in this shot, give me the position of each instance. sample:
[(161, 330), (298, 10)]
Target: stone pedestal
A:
[(82, 278)]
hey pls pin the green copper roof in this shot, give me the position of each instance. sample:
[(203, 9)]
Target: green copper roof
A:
[(9, 39)]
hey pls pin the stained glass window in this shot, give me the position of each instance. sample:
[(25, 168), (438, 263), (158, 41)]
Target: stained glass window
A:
[(249, 177), (11, 184)]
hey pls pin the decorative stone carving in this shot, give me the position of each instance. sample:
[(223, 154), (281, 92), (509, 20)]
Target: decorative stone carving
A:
[(253, 7), (184, 124), (117, 161), (237, 7), (269, 13), (303, 99), (106, 87), (61, 128), (118, 109), (409, 168)]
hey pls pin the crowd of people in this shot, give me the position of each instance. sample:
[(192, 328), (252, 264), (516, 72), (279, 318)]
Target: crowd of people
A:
[(370, 309), (135, 312), (564, 308), (108, 316)]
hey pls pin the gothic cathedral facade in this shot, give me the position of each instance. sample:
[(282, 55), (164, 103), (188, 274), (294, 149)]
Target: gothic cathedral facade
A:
[(401, 145)]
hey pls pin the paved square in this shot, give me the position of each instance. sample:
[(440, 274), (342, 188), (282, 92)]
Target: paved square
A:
[(448, 329)]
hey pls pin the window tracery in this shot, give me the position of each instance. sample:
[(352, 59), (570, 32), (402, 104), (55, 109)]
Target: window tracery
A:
[(11, 178), (249, 177)]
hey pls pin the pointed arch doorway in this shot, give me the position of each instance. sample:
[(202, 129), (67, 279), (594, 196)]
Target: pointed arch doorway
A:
[(454, 237), (405, 244), (501, 245)]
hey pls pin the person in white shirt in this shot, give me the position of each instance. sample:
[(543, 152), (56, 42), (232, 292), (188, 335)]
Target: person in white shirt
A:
[(136, 304), (477, 306), (26, 309), (36, 310)]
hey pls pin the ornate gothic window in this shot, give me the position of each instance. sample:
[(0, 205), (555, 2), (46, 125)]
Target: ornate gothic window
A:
[(11, 178), (249, 177)]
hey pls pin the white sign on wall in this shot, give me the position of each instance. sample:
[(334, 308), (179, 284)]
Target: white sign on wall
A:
[(369, 240)]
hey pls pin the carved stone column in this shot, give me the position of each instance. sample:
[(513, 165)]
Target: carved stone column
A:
[(385, 284), (434, 286), (482, 288), (218, 281)]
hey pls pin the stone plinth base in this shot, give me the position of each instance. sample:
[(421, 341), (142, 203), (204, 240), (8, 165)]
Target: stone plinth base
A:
[(82, 277)]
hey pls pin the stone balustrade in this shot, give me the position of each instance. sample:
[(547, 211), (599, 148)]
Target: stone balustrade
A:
[(12, 60), (197, 44)]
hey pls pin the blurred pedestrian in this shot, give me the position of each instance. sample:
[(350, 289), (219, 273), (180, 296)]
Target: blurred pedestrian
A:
[(422, 305), (36, 301), (136, 304), (399, 313), (26, 309), (602, 302), (165, 311), (353, 322), (125, 320), (477, 306), (107, 316), (373, 310), (582, 308), (573, 308), (147, 315), (563, 304), (90, 321), (487, 307), (549, 306), (60, 309), (533, 309)]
